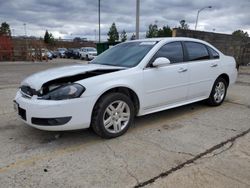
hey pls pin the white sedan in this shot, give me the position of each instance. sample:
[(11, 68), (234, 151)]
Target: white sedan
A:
[(88, 53), (131, 79)]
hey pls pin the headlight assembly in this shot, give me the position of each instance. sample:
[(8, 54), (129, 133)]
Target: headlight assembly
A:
[(70, 91)]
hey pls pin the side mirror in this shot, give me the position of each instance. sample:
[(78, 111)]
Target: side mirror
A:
[(161, 61)]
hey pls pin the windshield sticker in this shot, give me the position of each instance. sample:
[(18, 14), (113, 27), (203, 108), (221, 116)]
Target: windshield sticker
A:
[(148, 43)]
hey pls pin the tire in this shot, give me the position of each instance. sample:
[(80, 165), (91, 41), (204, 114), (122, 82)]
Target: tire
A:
[(218, 92), (117, 110), (87, 57)]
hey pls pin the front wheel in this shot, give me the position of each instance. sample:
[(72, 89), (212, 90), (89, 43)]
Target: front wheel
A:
[(218, 92), (112, 116)]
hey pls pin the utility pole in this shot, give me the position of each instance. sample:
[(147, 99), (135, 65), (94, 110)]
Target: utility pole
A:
[(26, 44), (95, 34), (13, 32), (99, 19), (137, 19)]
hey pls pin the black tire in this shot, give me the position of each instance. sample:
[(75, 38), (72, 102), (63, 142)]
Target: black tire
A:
[(97, 121), (211, 100), (87, 57)]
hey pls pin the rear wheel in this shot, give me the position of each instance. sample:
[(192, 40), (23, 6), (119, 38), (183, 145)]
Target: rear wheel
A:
[(218, 92), (112, 115)]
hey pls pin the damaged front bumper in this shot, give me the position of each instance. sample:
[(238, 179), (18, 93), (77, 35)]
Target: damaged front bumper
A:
[(52, 115)]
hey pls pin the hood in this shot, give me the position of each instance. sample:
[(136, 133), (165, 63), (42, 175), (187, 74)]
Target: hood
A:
[(37, 80)]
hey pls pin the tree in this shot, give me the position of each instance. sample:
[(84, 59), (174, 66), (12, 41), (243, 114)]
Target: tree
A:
[(123, 36), (5, 29), (77, 39), (240, 33), (113, 33), (165, 31), (152, 31), (46, 37), (49, 38), (183, 25), (132, 37)]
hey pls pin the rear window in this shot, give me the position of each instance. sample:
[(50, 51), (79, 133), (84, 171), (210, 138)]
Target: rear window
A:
[(196, 51), (215, 55)]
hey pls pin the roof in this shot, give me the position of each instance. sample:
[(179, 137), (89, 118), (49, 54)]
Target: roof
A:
[(169, 39)]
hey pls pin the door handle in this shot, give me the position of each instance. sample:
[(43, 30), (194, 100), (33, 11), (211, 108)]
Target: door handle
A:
[(214, 65), (182, 70)]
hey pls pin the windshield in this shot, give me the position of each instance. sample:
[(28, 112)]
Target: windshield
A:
[(125, 54)]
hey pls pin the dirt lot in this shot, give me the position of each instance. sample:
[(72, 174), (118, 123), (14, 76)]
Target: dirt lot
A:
[(190, 146)]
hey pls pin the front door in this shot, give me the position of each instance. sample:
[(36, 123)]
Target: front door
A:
[(166, 85)]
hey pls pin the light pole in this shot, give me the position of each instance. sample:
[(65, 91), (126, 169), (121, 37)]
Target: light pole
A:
[(25, 31), (95, 34), (26, 44), (99, 19), (137, 19), (199, 13)]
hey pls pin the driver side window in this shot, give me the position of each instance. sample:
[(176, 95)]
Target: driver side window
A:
[(173, 51)]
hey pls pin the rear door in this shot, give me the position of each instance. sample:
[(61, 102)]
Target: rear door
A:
[(203, 70)]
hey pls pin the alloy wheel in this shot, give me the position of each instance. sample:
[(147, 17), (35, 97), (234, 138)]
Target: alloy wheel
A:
[(116, 116), (219, 94)]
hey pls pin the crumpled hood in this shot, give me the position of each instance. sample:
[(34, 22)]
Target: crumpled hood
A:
[(36, 80)]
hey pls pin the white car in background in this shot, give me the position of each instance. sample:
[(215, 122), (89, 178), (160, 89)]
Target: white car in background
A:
[(88, 53), (131, 79), (61, 52)]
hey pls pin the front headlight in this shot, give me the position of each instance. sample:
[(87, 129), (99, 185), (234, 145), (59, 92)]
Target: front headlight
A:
[(65, 92)]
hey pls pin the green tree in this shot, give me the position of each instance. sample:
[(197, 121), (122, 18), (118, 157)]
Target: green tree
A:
[(123, 36), (132, 37), (5, 29), (46, 37), (240, 33), (183, 25), (152, 31), (113, 33), (49, 38), (165, 31)]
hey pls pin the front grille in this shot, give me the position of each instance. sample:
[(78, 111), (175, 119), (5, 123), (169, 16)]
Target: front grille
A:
[(27, 91)]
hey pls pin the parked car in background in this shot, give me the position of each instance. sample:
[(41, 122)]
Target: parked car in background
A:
[(133, 78), (44, 53), (61, 52), (72, 53), (54, 54), (88, 53), (49, 55)]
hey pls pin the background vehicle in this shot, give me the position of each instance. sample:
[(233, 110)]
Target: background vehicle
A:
[(49, 55), (54, 54), (131, 79), (72, 53), (88, 53), (61, 52)]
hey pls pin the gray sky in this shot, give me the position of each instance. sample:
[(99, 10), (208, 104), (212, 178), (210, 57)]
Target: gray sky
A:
[(79, 18)]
